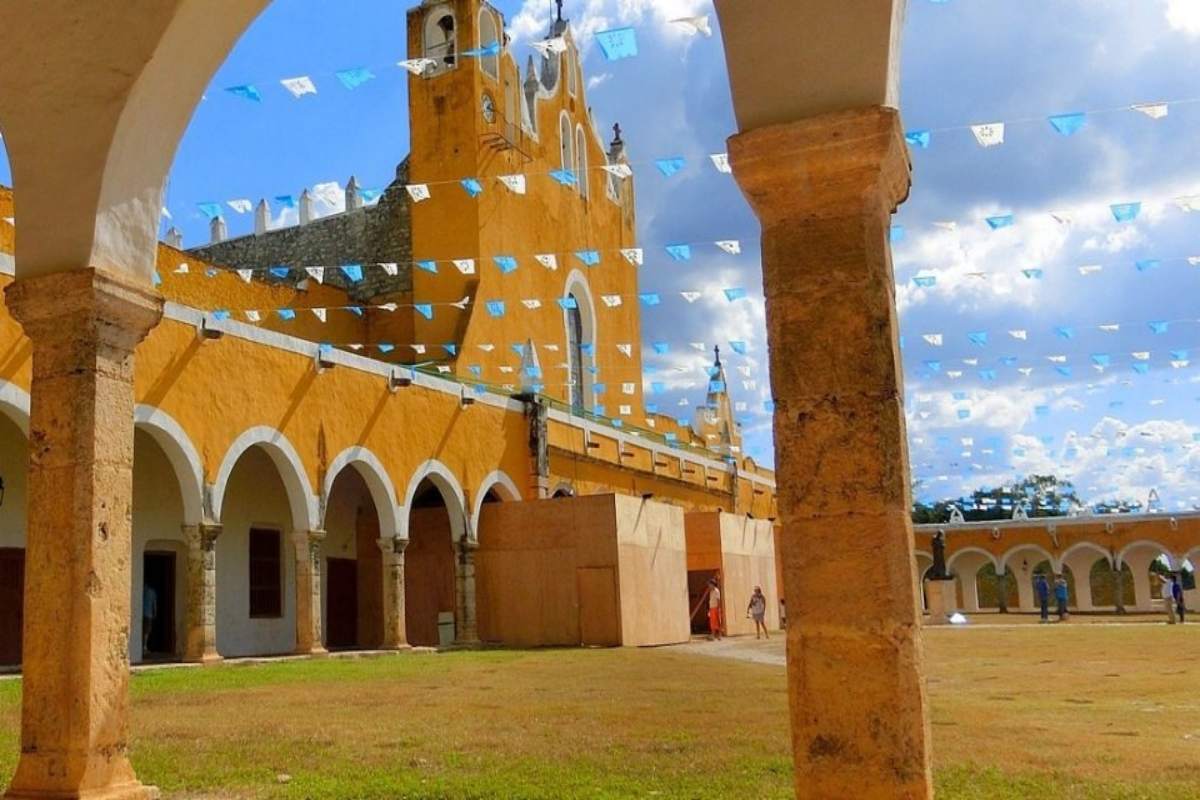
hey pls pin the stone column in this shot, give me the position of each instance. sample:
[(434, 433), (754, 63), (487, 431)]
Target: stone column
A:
[(201, 646), (84, 325), (395, 636), (1118, 588), (969, 581), (1002, 591), (824, 189), (466, 631), (309, 639)]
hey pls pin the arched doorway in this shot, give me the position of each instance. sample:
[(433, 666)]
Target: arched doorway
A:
[(430, 593), (159, 591), (14, 460), (352, 581), (256, 569), (1147, 561), (493, 572)]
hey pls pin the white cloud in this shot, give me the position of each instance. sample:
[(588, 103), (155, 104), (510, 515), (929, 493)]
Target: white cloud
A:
[(1184, 15), (598, 80)]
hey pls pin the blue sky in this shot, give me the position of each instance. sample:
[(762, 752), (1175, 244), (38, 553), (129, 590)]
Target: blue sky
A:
[(1117, 433)]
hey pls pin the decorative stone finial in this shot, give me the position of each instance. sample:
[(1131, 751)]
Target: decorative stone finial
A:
[(717, 350), (353, 198), (217, 230), (262, 218), (174, 238), (307, 210)]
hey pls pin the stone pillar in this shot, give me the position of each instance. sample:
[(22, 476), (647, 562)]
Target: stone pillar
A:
[(824, 189), (309, 640), (969, 580), (1143, 598), (466, 631), (1002, 591), (1026, 601), (1081, 581), (395, 637), (84, 325), (201, 646), (1118, 588)]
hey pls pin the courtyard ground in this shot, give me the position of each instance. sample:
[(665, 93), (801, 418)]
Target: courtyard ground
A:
[(1086, 712)]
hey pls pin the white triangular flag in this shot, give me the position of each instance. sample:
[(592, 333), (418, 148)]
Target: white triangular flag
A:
[(611, 300), (1025, 370), (628, 388), (553, 348), (388, 307), (166, 213), (548, 260), (954, 373), (355, 347), (619, 170), (700, 346), (1057, 359), (418, 192), (1111, 327), (634, 255), (241, 206), (319, 313), (443, 369), (317, 273), (1194, 260), (1188, 203), (299, 86), (1180, 363), (1141, 355), (391, 268), (971, 362), (989, 134), (546, 47), (626, 349), (946, 225), (506, 370), (696, 25), (731, 246), (515, 183), (532, 304), (1019, 334), (934, 339), (253, 316), (462, 304), (182, 269), (487, 348), (465, 265), (417, 66), (419, 349), (691, 297), (721, 162), (245, 274), (624, 410), (1090, 269), (1152, 110)]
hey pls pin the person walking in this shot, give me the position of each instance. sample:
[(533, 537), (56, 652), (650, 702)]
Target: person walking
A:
[(1168, 597), (757, 610), (149, 615), (1177, 591), (1060, 595), (1043, 594), (714, 609)]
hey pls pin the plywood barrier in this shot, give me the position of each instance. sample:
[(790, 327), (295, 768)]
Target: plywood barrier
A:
[(602, 570), (742, 550)]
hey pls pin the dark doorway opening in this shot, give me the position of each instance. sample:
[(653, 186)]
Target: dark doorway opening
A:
[(158, 606), (341, 608), (697, 600), (12, 604)]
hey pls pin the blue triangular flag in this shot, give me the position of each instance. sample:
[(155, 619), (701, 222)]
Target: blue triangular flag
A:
[(680, 252), (669, 166), (1141, 368), (495, 308), (661, 347), (424, 309), (450, 348), (279, 272), (618, 43), (1159, 326), (1034, 274), (475, 370), (489, 49), (567, 303), (428, 266), (896, 234), (1101, 359), (355, 310), (506, 264), (589, 257), (925, 281), (978, 337), (1068, 124), (353, 272), (354, 77), (286, 200), (246, 92), (934, 366), (1065, 332), (1063, 370), (657, 387), (386, 347), (564, 176), (286, 314), (919, 139), (738, 347), (211, 210), (650, 298), (1146, 264), (472, 186), (735, 293), (1001, 221), (1125, 212)]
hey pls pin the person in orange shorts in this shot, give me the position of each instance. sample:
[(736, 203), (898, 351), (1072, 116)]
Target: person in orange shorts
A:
[(714, 609)]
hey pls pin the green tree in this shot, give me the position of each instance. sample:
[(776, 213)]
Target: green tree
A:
[(1039, 495)]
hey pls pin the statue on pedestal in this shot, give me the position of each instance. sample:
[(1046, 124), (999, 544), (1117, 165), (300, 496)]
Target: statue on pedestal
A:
[(938, 571)]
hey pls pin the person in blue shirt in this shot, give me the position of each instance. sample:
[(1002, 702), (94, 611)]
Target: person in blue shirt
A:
[(1060, 595), (1177, 592), (149, 614), (1043, 594)]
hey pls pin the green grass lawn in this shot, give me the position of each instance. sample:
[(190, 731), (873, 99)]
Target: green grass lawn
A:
[(1087, 713)]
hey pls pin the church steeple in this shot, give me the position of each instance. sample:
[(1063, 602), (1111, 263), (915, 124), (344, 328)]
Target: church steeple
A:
[(715, 422)]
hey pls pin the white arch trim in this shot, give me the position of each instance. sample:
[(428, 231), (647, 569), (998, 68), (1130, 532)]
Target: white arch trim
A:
[(968, 551), (303, 503), (1080, 547), (185, 459), (1172, 561), (452, 494), (379, 483), (504, 486), (14, 404), (1045, 554), (1193, 556)]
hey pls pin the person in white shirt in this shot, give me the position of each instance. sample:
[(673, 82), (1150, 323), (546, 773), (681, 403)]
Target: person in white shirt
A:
[(714, 609), (757, 610), (1168, 597)]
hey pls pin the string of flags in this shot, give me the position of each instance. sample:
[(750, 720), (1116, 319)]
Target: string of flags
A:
[(927, 278), (615, 44), (1122, 212), (331, 192), (983, 338), (992, 134)]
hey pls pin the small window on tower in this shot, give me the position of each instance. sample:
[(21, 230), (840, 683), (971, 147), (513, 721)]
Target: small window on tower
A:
[(489, 38), (569, 64), (440, 39)]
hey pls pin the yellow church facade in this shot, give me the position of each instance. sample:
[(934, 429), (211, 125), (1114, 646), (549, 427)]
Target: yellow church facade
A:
[(322, 480)]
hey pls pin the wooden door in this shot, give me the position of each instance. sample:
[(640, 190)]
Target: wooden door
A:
[(341, 607), (599, 624), (12, 604)]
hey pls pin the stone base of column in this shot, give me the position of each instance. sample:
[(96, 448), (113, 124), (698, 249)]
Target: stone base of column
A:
[(939, 596), (206, 660), (134, 791)]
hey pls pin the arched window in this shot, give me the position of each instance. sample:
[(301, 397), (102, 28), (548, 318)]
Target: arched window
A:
[(440, 39), (581, 161), (565, 136), (572, 71), (488, 35), (575, 354)]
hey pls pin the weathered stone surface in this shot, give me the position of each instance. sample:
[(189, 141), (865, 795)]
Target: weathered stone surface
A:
[(824, 189), (307, 546), (84, 325), (466, 628), (377, 234), (201, 645), (395, 637)]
